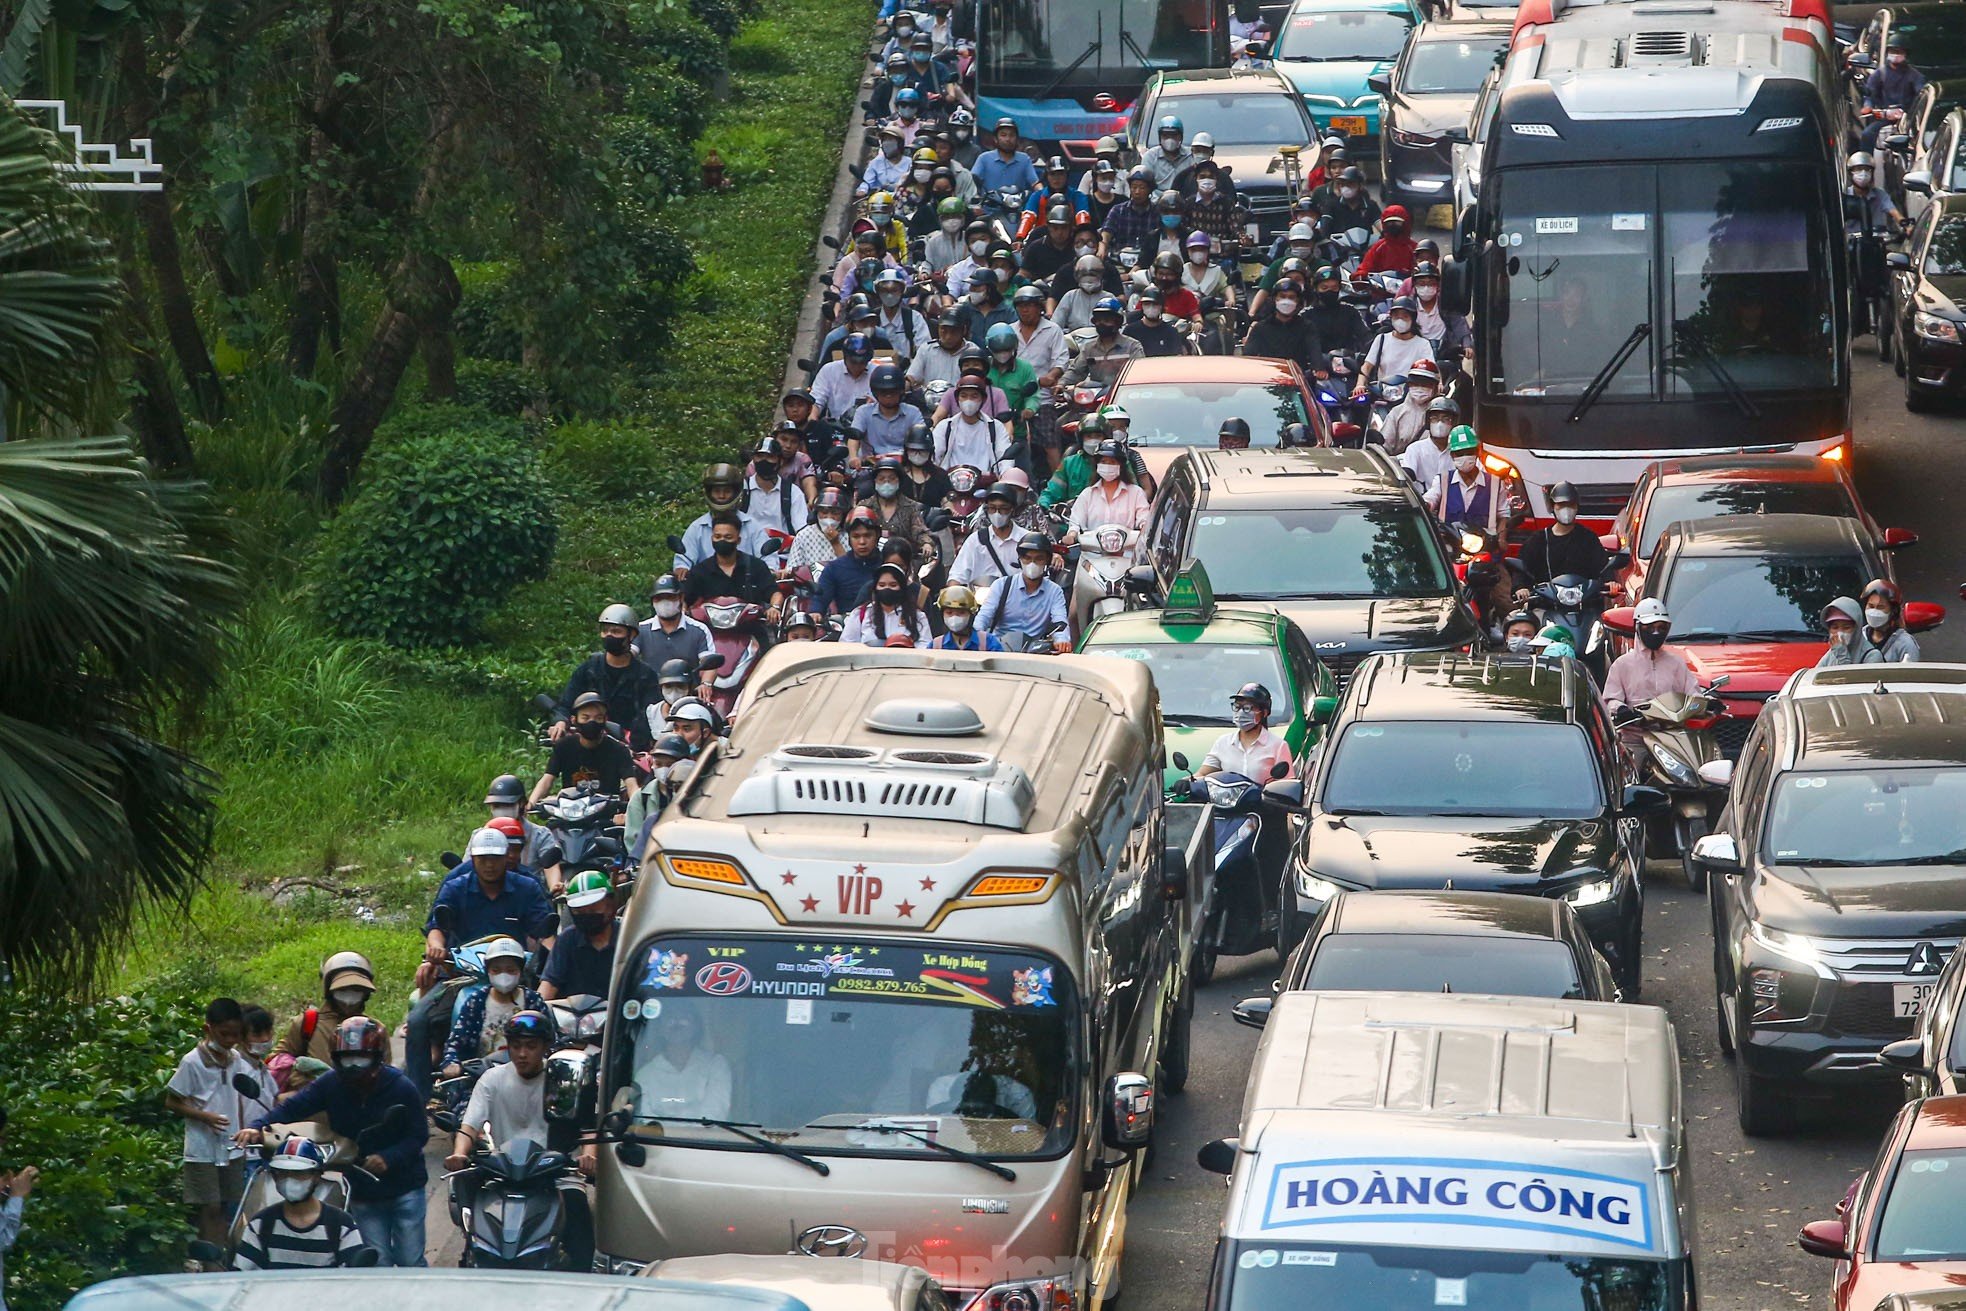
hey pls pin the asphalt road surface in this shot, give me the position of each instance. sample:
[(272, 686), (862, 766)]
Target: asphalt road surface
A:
[(1752, 1195)]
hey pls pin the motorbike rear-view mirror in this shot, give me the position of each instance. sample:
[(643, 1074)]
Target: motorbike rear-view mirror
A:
[(445, 918), (1619, 620), (365, 1257), (445, 1120), (1617, 560), (710, 660), (1180, 759), (830, 242), (1218, 1157), (936, 518), (1923, 616), (548, 854), (449, 859), (1897, 259), (208, 1253), (1720, 682), (1642, 800), (1280, 770), (1902, 141), (246, 1086), (674, 543)]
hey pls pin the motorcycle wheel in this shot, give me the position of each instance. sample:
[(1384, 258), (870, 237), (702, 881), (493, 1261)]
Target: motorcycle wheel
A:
[(1690, 830), (1880, 315)]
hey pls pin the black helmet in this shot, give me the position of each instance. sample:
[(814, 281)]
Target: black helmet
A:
[(505, 790), (1253, 692), (973, 359), (1443, 405), (1236, 430), (675, 671), (1028, 293), (886, 378), (1033, 541), (918, 438), (1426, 269), (1111, 450), (1406, 303), (1150, 293), (1352, 173), (1565, 492), (1167, 262), (949, 319), (530, 1024), (1170, 201)]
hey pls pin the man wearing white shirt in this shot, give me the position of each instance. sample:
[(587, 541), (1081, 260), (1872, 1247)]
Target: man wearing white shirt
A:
[(991, 551), (1250, 748), (1427, 460), (941, 359), (968, 436), (1040, 342), (682, 1078)]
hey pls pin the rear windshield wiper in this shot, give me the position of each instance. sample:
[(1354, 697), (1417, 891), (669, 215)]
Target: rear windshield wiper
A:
[(743, 1130), (954, 1153), (1640, 331)]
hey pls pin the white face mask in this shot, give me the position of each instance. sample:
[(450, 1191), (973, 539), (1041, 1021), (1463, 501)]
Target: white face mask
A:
[(887, 491), (1402, 325), (1419, 397), (296, 1188), (1566, 514), (979, 248), (956, 621), (890, 148), (979, 297), (1198, 258), (1287, 306), (918, 458), (1437, 430), (261, 1049), (1170, 146), (1519, 643), (349, 1001), (1151, 313), (952, 226), (1347, 192), (1032, 570), (1205, 186), (504, 982), (924, 174), (1876, 618), (970, 406), (1088, 284), (1243, 716), (1426, 293), (829, 525), (1109, 473), (1104, 186), (1464, 464)]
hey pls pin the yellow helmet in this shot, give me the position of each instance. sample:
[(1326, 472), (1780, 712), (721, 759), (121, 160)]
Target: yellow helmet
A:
[(957, 597)]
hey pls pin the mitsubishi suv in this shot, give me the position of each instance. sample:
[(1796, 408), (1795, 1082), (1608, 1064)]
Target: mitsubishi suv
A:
[(1837, 879)]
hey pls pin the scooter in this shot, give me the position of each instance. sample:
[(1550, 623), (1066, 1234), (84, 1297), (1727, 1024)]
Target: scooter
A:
[(573, 1066), (737, 633), (1676, 731), (511, 1210), (1104, 556), (1577, 603), (1239, 912), (1475, 565), (585, 836), (967, 486)]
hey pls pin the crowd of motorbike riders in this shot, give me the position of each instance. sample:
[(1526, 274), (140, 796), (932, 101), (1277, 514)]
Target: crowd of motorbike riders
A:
[(930, 487)]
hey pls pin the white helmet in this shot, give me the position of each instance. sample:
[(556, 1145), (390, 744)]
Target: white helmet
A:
[(1651, 611), (618, 615), (1301, 232), (1203, 141)]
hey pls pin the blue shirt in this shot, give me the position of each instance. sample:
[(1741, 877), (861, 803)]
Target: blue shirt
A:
[(882, 434), (993, 172), (843, 583), (522, 910), (970, 641), (1024, 611), (349, 1115)]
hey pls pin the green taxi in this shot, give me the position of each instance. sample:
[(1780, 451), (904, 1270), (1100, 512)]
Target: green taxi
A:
[(1200, 653)]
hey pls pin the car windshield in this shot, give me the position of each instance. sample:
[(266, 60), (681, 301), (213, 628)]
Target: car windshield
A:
[(967, 1047), (1271, 1276), (1921, 1215), (1323, 35), (1450, 67), (1242, 118), (1364, 549), (1869, 817), (1946, 256), (1191, 413), (1474, 767), (1194, 679), (1670, 504), (1439, 962), (1713, 598)]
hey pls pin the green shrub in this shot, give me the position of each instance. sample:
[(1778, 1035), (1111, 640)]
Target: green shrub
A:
[(497, 386), (488, 321), (602, 459), (441, 528)]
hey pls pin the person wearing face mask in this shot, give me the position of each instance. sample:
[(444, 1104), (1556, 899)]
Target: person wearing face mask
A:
[(948, 156), (824, 539), (904, 328), (877, 429), (1055, 195), (723, 490), (582, 962), (895, 513), (794, 463), (1177, 302), (347, 983), (1250, 748), (1113, 498), (923, 480), (1300, 243), (1651, 668), (1447, 332), (1406, 422), (890, 609), (985, 307), (1427, 462), (1869, 216), (816, 434), (1092, 281), (732, 571), (908, 117), (1285, 333), (1026, 610), (889, 167), (644, 808), (1211, 203), (1889, 91), (1104, 187), (846, 579), (200, 1092), (1148, 325), (589, 754), (1134, 222), (965, 147), (668, 633), (1882, 640), (614, 673), (256, 1054), (1394, 352), (1518, 632), (773, 502), (1842, 617), (1469, 494), (958, 606), (1006, 166), (479, 1029), (1393, 252), (976, 257), (970, 437), (1040, 343), (1101, 358), (990, 551), (1203, 278), (360, 1096), (1173, 157), (1339, 326), (944, 248), (1562, 548), (941, 359), (300, 1231), (1349, 205)]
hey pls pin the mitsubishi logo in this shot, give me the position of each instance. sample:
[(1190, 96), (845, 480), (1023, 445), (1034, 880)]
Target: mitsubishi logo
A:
[(832, 1240), (1925, 959)]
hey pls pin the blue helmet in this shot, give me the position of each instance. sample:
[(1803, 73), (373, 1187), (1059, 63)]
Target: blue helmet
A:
[(1001, 337), (858, 346), (299, 1155), (1109, 305), (907, 95), (1170, 123)]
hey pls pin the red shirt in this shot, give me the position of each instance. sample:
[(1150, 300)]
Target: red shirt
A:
[(1389, 255), (1181, 304)]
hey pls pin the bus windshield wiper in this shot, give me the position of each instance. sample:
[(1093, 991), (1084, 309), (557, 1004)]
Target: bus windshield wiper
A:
[(953, 1153), (1704, 353), (743, 1130), (1092, 48), (1640, 331)]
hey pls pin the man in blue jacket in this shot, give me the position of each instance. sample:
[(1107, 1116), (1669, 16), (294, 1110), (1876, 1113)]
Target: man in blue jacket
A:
[(359, 1095), (847, 579)]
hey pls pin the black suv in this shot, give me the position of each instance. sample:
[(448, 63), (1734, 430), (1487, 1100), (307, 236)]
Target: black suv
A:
[(1337, 541), (1480, 773), (1836, 880)]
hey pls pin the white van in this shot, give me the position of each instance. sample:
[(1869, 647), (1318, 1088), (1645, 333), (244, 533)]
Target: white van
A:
[(1405, 1151)]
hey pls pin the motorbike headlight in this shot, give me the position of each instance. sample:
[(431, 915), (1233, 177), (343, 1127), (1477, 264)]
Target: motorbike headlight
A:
[(1594, 893), (1111, 540), (1675, 768), (1313, 888), (962, 478), (590, 1024), (1393, 392), (1933, 328), (1570, 597)]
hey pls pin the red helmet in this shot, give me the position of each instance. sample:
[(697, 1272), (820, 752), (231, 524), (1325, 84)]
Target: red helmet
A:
[(1885, 588), (863, 514), (358, 1035), (513, 829)]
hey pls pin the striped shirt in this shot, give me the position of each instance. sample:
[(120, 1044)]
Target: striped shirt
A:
[(270, 1243)]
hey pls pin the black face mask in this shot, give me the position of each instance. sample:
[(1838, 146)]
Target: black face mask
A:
[(590, 731), (1654, 638), (887, 596), (590, 926), (1327, 298), (765, 472), (614, 645), (725, 549), (1106, 331)]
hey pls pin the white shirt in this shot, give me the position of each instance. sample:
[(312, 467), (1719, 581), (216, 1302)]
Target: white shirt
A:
[(956, 281), (860, 627), (208, 1087), (1253, 762), (767, 506), (516, 1107), (974, 568), (978, 443), (834, 390), (1427, 462), (700, 1086), (1390, 357), (1045, 349), (1094, 509)]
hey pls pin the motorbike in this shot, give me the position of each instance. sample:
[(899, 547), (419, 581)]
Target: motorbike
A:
[(967, 487), (1576, 602), (1240, 912), (1476, 553), (584, 834), (1031, 643), (510, 1207), (738, 634), (573, 1066), (1676, 732), (1104, 556)]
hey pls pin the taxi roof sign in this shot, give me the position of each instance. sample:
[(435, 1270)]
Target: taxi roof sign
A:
[(1190, 597)]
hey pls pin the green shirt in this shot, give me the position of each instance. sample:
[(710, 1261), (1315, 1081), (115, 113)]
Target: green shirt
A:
[(1074, 476)]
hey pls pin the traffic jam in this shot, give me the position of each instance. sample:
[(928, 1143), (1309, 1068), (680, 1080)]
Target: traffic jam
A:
[(1294, 518)]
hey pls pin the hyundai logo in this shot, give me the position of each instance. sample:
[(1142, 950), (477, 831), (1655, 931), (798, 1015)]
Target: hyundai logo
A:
[(1925, 959), (832, 1240)]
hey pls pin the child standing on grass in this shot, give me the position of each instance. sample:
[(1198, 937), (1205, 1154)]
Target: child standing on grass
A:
[(201, 1092), (253, 1059)]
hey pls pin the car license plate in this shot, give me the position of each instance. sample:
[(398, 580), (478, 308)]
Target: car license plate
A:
[(1352, 125), (1908, 999)]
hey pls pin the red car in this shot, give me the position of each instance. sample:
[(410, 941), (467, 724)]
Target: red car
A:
[(1745, 594), (1902, 1226), (1712, 486), (1174, 402)]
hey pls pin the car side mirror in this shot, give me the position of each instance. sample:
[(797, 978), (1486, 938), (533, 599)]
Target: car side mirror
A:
[(1285, 792), (1219, 1157), (548, 853), (1907, 1056), (209, 1253), (1719, 683), (1381, 83), (1253, 1011), (1642, 800), (365, 1257), (1923, 616), (1897, 539), (1323, 709), (1720, 773), (1898, 260), (1716, 854), (1918, 180), (1824, 1238), (1129, 1111), (1173, 873), (1457, 136), (631, 1153), (1618, 619)]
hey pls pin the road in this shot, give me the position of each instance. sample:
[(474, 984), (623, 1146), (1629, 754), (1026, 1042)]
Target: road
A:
[(1752, 1195)]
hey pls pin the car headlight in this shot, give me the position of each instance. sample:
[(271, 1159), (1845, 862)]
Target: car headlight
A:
[(1790, 946), (1676, 769), (1594, 893), (1027, 1295), (1934, 328), (1314, 888)]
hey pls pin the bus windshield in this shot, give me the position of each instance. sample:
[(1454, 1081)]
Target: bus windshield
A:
[(1030, 44), (899, 1047), (1716, 274)]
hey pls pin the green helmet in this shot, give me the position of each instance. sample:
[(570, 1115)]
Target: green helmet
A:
[(1558, 633), (1462, 440), (952, 207), (586, 888)]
